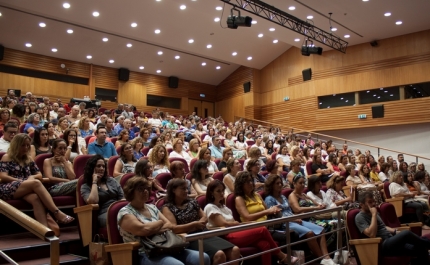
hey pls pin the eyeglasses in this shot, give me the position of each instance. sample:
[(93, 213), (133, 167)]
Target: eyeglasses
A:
[(100, 166), (72, 135)]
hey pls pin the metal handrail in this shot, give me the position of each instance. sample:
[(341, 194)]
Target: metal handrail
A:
[(35, 228), (270, 124), (219, 232)]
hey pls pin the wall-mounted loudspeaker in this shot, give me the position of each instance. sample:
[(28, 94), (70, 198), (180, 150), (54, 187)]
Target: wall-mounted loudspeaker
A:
[(173, 82), (123, 74), (1, 52), (374, 43), (378, 111), (246, 87), (307, 74)]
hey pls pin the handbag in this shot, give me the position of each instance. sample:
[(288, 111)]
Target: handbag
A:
[(98, 255), (166, 243)]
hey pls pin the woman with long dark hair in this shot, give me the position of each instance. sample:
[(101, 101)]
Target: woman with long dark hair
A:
[(40, 144), (125, 163)]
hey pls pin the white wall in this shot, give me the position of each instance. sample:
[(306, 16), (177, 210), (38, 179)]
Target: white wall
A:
[(412, 139)]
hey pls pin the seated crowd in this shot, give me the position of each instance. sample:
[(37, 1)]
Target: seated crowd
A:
[(178, 159)]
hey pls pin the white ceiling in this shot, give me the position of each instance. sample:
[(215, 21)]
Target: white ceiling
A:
[(19, 24)]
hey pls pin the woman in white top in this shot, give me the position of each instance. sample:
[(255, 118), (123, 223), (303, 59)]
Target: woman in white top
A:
[(205, 154), (229, 142), (283, 158), (315, 192), (179, 152), (159, 160), (185, 144), (208, 137), (419, 181), (200, 176), (241, 144), (233, 166), (383, 174), (220, 215)]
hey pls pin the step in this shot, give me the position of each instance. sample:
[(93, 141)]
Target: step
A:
[(64, 259)]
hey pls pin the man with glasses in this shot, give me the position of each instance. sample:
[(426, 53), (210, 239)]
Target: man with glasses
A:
[(10, 130), (101, 146), (61, 112)]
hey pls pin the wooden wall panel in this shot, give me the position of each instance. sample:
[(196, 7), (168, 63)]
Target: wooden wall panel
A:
[(232, 86), (105, 77), (230, 108), (44, 63), (210, 106)]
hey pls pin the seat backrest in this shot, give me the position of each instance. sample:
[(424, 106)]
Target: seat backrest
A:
[(202, 136), (160, 203), (125, 178), (39, 161), (231, 203), (87, 139), (242, 162), (113, 140), (309, 167), (273, 156), (111, 164), (388, 215), (114, 236), (193, 161), (21, 128), (180, 159), (163, 179), (387, 189), (250, 142), (79, 200), (217, 161), (2, 154), (286, 192), (145, 151), (201, 200), (118, 150), (218, 175), (79, 164), (351, 227)]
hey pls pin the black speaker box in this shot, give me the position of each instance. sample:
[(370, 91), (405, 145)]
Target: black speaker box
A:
[(378, 111), (173, 82), (307, 74), (1, 52), (246, 87), (123, 74)]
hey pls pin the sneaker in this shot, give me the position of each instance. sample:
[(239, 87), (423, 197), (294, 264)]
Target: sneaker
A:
[(328, 262)]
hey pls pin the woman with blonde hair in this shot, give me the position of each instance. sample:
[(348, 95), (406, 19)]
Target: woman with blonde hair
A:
[(194, 148), (160, 160), (84, 127), (178, 151), (137, 145), (205, 154), (62, 125)]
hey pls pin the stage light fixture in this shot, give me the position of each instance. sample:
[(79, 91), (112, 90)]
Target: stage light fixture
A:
[(310, 48), (233, 22)]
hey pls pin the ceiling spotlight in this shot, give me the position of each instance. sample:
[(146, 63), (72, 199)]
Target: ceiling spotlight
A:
[(218, 67), (399, 22), (190, 41), (160, 53), (260, 35), (275, 41), (333, 29), (217, 19), (28, 45), (292, 8), (234, 53), (66, 5), (111, 61), (158, 71), (203, 64), (238, 21), (249, 58), (254, 22), (157, 31), (387, 14), (42, 25), (296, 40), (96, 14), (218, 8), (346, 36), (129, 45), (177, 57), (183, 7), (272, 29), (89, 57), (209, 46), (310, 17), (70, 31), (134, 24), (141, 67), (105, 39), (54, 50)]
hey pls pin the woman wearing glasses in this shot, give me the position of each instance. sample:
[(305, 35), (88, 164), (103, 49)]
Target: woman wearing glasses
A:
[(125, 163), (99, 188), (4, 117)]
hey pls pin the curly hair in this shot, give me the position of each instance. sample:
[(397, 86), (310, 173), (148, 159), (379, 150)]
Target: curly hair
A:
[(171, 186), (241, 178), (75, 146), (121, 134), (203, 151), (210, 191), (154, 156), (175, 142), (199, 164), (133, 184), (123, 157), (331, 183), (254, 152), (36, 138), (82, 122), (135, 141), (89, 169), (270, 183)]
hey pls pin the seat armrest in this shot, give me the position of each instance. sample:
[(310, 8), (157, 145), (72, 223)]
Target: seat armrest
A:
[(403, 228), (85, 217), (367, 249), (417, 224), (122, 253), (397, 202)]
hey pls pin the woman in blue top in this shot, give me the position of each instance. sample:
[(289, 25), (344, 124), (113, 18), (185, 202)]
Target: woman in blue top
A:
[(318, 246), (84, 127)]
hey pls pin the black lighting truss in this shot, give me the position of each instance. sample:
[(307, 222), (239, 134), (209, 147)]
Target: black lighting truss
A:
[(288, 21)]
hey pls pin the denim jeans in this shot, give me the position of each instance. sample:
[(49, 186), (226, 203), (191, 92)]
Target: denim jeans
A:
[(186, 257)]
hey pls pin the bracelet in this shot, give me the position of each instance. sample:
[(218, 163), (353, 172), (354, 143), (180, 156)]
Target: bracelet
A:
[(94, 182), (69, 147)]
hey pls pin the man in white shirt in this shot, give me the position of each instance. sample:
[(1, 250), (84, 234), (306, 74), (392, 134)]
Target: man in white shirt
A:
[(10, 130), (54, 112)]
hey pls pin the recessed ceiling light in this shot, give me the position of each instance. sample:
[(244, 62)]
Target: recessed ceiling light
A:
[(105, 39), (365, 0), (111, 61), (374, 95), (297, 39), (249, 58), (385, 91), (341, 98), (177, 57), (28, 45), (96, 14), (203, 64), (391, 95), (66, 5), (275, 41), (158, 0), (0, 14), (292, 8), (217, 19), (387, 14), (379, 97), (218, 8), (42, 25), (129, 45), (272, 29), (54, 50), (158, 71), (368, 91), (320, 103), (346, 36), (346, 100), (70, 31), (381, 88), (310, 17), (141, 67), (333, 29), (234, 53), (183, 7), (89, 57), (218, 67), (157, 31), (209, 46), (399, 22), (254, 22), (260, 35), (160, 53), (190, 41), (134, 24)]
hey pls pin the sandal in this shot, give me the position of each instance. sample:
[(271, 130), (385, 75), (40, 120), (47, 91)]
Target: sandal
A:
[(294, 260), (68, 219)]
